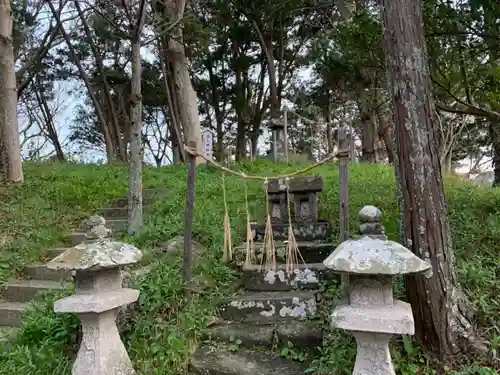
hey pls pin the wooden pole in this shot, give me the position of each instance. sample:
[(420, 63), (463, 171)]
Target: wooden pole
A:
[(285, 135), (343, 152), (188, 214)]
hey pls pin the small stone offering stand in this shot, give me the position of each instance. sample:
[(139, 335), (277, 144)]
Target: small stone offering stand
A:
[(97, 300), (371, 312)]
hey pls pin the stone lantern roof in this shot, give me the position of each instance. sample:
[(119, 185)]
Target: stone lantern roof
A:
[(373, 256), (102, 254)]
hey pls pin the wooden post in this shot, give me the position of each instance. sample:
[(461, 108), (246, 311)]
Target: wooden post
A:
[(343, 155), (285, 135), (188, 214)]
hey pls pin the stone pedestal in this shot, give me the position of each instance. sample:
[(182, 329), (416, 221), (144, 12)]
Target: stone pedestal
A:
[(371, 312), (373, 346), (98, 297)]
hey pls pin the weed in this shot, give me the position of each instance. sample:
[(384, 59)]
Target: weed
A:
[(161, 330)]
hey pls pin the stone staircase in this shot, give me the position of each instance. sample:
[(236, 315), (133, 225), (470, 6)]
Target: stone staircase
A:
[(16, 294), (275, 309)]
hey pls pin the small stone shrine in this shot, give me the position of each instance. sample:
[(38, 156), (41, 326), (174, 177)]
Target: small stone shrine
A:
[(370, 311), (98, 297), (280, 297), (311, 233)]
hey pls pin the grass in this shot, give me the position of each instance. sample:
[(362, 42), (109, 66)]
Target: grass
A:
[(162, 330)]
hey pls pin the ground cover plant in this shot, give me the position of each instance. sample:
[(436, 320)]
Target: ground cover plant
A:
[(165, 326)]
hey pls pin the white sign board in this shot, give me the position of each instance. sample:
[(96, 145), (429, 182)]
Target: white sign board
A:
[(207, 139)]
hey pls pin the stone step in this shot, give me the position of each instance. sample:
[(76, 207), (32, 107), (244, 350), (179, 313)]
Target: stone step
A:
[(41, 272), (26, 290), (117, 225), (52, 253), (316, 231), (148, 196), (222, 361), (302, 277), (76, 238), (268, 306), (306, 335), (110, 213), (11, 313), (312, 252)]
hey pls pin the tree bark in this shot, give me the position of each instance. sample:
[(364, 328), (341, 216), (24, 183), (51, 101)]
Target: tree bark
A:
[(494, 130), (10, 146), (188, 110), (386, 134), (442, 313), (136, 146)]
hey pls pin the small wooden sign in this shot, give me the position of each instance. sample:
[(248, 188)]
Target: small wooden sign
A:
[(207, 138)]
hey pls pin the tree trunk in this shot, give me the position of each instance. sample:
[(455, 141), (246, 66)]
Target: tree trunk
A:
[(136, 148), (10, 147), (48, 119), (440, 308), (110, 150), (386, 134), (188, 108), (494, 130), (114, 125)]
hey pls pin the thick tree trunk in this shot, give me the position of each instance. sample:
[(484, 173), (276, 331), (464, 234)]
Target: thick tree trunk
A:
[(136, 148), (441, 311), (10, 147)]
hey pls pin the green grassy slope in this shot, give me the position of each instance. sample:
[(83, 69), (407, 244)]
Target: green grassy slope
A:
[(163, 330)]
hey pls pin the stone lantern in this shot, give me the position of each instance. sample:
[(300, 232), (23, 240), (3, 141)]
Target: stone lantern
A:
[(98, 297), (371, 312)]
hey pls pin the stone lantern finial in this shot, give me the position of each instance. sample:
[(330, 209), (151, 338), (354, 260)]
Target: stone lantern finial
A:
[(95, 228), (97, 300), (370, 216), (371, 312)]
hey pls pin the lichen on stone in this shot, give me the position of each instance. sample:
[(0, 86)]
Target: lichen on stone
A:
[(102, 254), (375, 257)]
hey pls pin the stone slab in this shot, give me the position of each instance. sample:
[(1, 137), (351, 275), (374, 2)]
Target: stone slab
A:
[(41, 272), (268, 306), (304, 334), (303, 277), (12, 313), (318, 231), (26, 290), (296, 184), (312, 252), (96, 303), (394, 319), (220, 361)]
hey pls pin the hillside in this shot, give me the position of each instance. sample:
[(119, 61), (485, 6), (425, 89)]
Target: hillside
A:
[(55, 197)]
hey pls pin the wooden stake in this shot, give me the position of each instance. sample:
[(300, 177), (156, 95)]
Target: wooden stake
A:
[(285, 135), (188, 214)]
